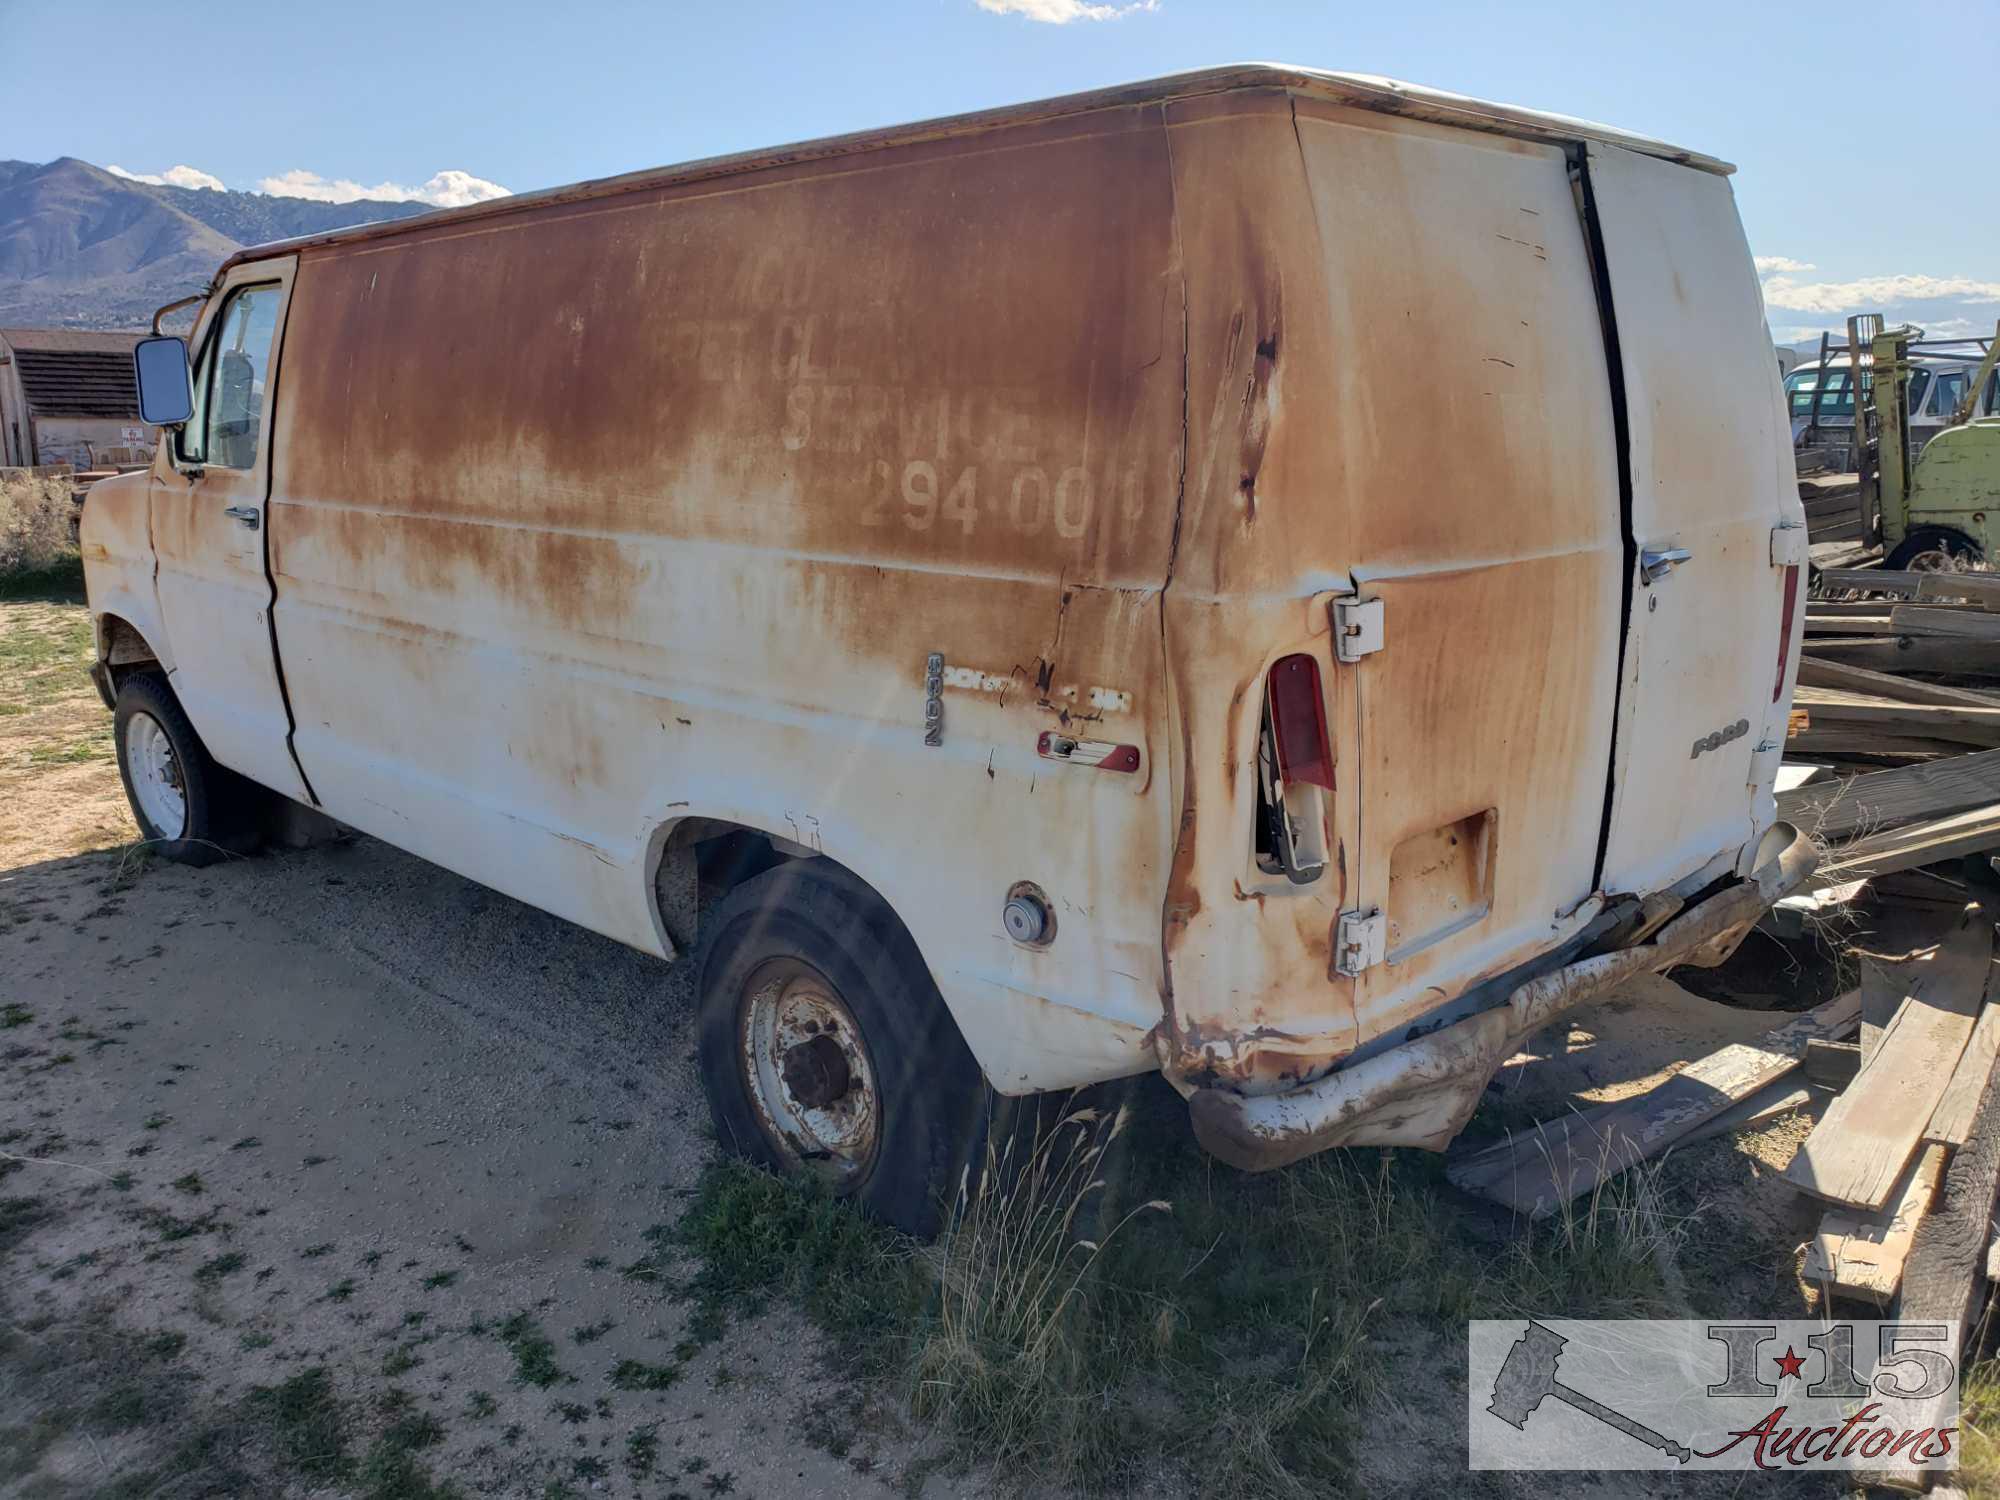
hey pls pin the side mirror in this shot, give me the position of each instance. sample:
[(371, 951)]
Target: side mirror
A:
[(166, 390)]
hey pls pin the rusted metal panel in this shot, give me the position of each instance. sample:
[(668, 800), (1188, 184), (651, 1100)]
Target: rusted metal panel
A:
[(1396, 386), (678, 534)]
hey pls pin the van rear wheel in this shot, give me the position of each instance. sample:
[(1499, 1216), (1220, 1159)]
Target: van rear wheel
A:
[(193, 810), (826, 1051)]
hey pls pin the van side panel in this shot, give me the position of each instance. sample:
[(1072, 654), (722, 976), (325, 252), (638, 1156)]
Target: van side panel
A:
[(1436, 432), (600, 516)]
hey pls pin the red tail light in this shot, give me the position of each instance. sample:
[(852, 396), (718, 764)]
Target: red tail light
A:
[(1298, 722), (1785, 630)]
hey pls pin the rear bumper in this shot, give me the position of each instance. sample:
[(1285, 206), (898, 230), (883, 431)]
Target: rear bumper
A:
[(1422, 1092)]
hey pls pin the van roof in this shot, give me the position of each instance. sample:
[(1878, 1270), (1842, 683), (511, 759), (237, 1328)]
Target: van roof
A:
[(1360, 90)]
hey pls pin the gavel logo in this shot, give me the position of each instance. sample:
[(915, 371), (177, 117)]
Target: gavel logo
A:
[(1529, 1374)]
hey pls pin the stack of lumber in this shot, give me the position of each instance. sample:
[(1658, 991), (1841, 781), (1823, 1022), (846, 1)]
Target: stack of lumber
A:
[(1906, 1157), (1886, 706), (1885, 1144)]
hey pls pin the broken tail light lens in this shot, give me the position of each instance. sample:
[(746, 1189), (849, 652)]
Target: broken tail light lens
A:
[(1785, 621), (1298, 722)]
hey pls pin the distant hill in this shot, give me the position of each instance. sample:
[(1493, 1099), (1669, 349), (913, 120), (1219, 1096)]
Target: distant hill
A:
[(80, 248)]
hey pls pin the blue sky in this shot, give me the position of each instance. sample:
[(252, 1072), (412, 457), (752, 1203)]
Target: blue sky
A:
[(531, 95)]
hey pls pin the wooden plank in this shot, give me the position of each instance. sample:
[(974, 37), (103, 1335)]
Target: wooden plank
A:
[(1924, 843), (1933, 619), (1951, 1121), (1944, 1275), (1813, 672), (1871, 1130), (1993, 1261), (1872, 624), (1832, 1065), (1882, 800), (1890, 653), (1537, 1170), (1874, 580), (1861, 1255), (1769, 1103), (1982, 589), (1855, 739), (1971, 726)]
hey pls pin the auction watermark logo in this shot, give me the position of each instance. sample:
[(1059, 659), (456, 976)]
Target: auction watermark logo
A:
[(1633, 1393)]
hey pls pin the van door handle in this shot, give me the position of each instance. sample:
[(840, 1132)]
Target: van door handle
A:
[(247, 514), (1655, 564)]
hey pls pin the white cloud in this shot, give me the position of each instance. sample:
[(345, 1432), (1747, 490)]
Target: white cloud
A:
[(182, 176), (452, 189), (1873, 292), (1062, 12), (1766, 264)]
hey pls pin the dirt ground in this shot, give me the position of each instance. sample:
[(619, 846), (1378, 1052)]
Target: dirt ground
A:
[(339, 1109), (332, 1152)]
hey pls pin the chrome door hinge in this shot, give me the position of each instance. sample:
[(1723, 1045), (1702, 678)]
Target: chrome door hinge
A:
[(1359, 941), (1357, 628)]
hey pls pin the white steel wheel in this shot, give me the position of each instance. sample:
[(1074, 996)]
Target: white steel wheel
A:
[(807, 1071), (158, 784)]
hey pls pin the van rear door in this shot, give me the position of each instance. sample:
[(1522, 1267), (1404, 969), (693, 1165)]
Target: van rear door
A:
[(1715, 520)]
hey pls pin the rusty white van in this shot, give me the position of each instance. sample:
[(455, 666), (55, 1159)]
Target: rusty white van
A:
[(1019, 598)]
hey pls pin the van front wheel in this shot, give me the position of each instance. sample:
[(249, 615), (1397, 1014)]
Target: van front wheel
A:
[(826, 1051), (193, 810)]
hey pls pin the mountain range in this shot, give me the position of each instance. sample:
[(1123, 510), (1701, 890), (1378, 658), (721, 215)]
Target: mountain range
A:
[(81, 248)]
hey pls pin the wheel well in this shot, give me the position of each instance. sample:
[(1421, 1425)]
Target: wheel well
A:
[(703, 859), (123, 650)]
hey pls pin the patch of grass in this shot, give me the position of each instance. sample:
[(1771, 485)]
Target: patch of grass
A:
[(340, 1291), (171, 1228), (636, 1375), (210, 1272), (248, 1143), (439, 1279), (480, 1405), (1109, 1310), (755, 1236), (21, 1217), (1979, 1429), (306, 1423), (189, 1183), (642, 1452), (12, 1015), (590, 1333), (314, 1252), (77, 753), (534, 1352), (156, 1122), (400, 1361)]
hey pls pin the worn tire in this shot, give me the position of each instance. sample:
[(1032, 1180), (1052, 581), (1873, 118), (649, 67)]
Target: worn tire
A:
[(933, 1098), (1922, 539), (221, 808)]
